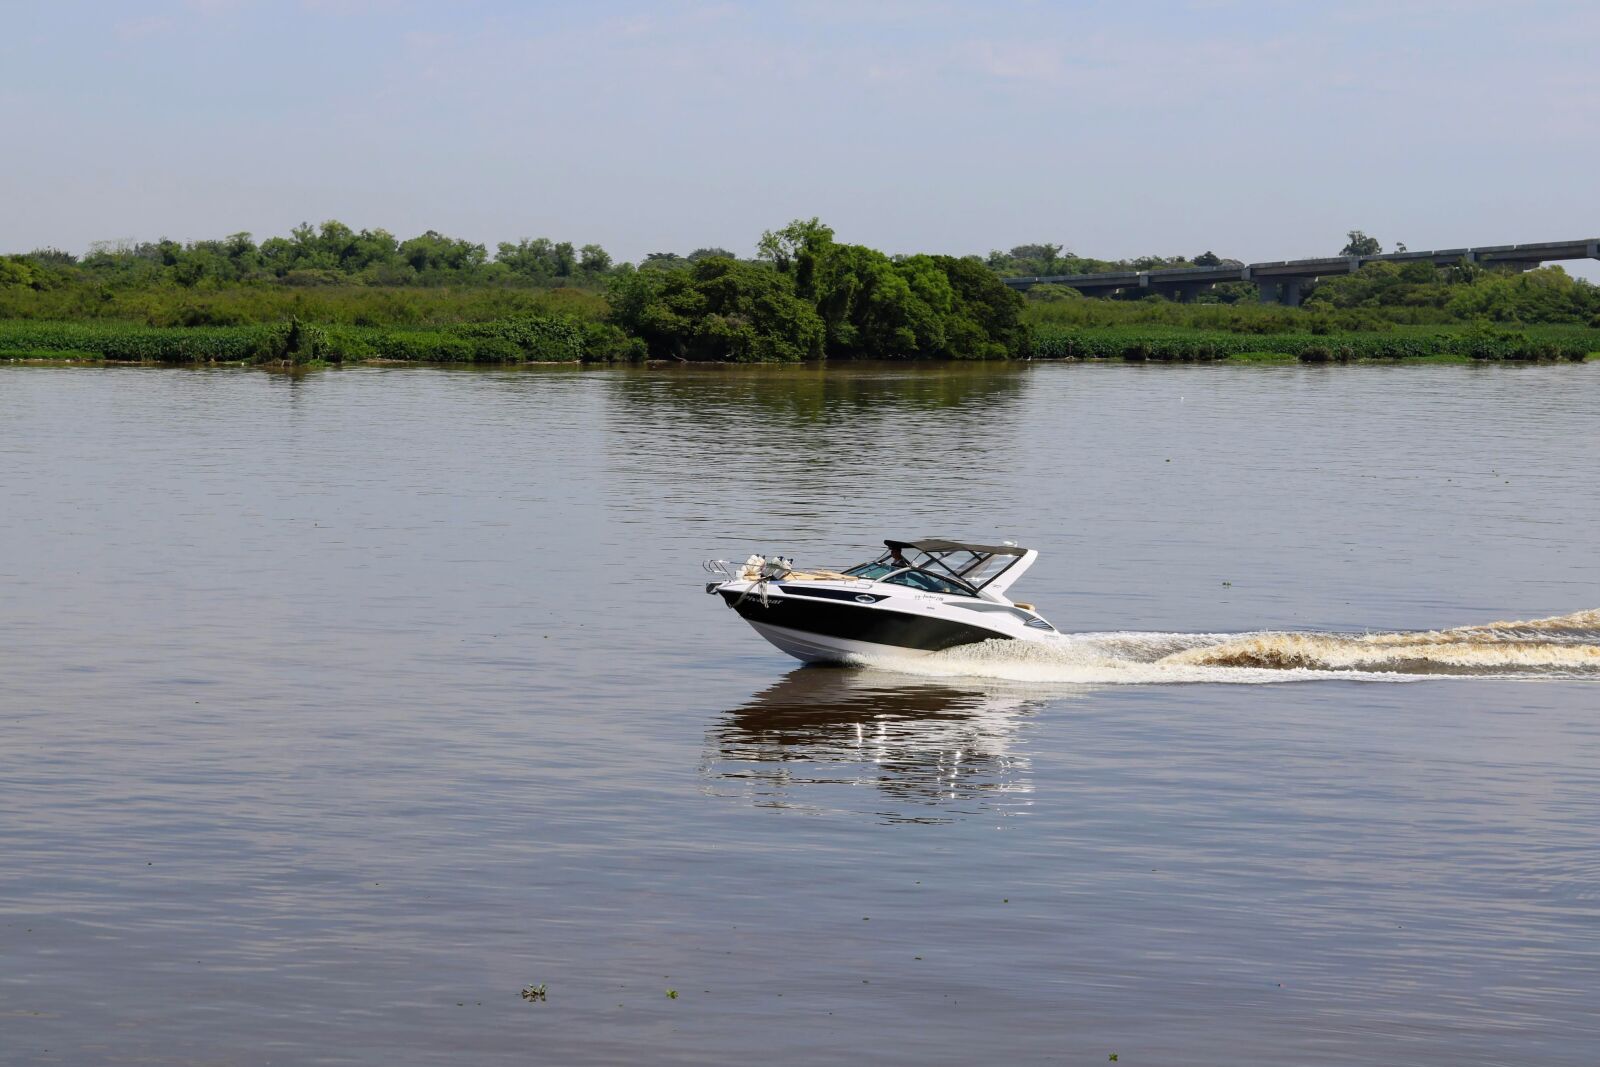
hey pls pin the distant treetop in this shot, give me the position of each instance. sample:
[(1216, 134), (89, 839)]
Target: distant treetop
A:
[(1360, 245)]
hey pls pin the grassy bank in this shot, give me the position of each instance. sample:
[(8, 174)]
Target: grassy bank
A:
[(528, 338), (1436, 343), (570, 339), (332, 305)]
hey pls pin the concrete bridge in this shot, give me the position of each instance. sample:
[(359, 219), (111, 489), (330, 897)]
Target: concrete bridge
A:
[(1283, 280)]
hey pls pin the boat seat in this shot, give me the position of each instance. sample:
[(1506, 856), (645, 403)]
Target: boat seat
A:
[(1022, 605), (751, 574)]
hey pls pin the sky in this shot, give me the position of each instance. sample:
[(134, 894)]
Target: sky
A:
[(1257, 130)]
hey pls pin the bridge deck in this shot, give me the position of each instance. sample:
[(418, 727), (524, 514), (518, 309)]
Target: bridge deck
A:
[(1284, 277)]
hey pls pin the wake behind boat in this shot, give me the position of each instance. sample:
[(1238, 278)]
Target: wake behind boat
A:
[(918, 597)]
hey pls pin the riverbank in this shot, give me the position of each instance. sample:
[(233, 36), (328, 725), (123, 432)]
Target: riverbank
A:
[(568, 339), (1477, 341)]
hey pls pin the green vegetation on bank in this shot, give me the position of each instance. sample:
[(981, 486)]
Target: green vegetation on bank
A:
[(1177, 344), (331, 294), (528, 339)]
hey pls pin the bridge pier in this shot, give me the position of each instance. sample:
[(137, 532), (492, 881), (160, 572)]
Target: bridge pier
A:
[(1182, 292), (1285, 291)]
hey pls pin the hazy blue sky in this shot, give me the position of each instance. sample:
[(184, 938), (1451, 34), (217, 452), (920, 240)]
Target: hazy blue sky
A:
[(1260, 130)]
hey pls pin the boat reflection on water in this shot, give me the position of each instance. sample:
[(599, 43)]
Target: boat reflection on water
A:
[(932, 750)]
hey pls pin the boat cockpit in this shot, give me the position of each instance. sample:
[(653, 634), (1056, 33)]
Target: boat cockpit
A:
[(954, 568)]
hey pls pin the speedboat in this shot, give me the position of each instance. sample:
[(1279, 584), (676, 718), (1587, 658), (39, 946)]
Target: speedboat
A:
[(917, 598)]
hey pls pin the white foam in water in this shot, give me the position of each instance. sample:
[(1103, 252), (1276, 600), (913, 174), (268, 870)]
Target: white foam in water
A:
[(1565, 646)]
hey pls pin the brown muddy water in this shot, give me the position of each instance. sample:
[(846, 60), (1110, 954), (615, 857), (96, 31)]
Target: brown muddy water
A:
[(336, 710)]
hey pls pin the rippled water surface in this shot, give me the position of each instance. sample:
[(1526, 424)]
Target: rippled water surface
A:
[(336, 710)]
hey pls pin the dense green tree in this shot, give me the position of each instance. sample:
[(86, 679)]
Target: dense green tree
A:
[(1208, 258), (1464, 292), (717, 309), (913, 307), (26, 272), (1383, 284), (664, 261), (539, 258), (1043, 258), (780, 247), (1050, 292), (1160, 262), (593, 261), (1359, 244), (868, 305), (433, 252), (51, 257), (994, 307), (1548, 294)]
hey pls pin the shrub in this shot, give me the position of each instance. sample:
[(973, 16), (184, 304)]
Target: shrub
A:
[(423, 346), (348, 345), (294, 342), (1050, 292), (605, 343), (539, 338), (495, 350), (313, 277)]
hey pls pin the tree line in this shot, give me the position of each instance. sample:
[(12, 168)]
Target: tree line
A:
[(330, 254), (803, 295), (335, 254)]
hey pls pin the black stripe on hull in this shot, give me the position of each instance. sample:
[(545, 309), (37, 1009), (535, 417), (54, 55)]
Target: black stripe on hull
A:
[(833, 594), (861, 623)]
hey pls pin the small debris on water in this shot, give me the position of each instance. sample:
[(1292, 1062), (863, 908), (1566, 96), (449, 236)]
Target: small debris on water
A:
[(533, 992), (672, 994)]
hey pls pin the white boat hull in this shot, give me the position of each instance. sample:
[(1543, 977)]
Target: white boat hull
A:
[(821, 648)]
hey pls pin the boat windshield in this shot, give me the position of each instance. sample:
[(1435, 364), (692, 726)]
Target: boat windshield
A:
[(969, 567), (928, 583), (874, 570), (892, 573)]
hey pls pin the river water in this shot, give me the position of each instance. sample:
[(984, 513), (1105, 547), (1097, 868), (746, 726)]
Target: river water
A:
[(335, 710)]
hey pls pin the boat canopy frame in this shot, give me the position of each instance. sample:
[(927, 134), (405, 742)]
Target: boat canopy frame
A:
[(937, 552)]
